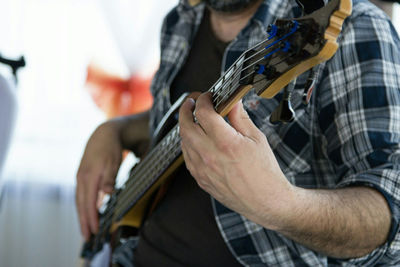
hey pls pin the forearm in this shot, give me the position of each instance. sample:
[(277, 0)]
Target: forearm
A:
[(235, 164), (342, 223), (133, 132)]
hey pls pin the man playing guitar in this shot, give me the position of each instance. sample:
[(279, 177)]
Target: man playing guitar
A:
[(320, 190)]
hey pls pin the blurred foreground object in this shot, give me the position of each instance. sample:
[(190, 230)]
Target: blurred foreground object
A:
[(117, 96), (8, 109), (15, 65), (8, 106)]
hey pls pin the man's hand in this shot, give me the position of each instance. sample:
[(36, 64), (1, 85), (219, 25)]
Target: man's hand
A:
[(101, 161), (234, 163), (97, 171)]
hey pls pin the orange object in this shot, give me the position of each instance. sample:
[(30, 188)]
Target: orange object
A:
[(117, 96)]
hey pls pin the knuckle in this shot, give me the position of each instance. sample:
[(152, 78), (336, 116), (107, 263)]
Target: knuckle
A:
[(203, 97), (224, 146)]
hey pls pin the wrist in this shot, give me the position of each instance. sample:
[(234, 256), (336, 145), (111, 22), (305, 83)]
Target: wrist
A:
[(278, 208), (298, 209), (287, 209), (132, 132)]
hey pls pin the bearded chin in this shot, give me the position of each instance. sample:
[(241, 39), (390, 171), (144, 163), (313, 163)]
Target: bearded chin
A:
[(229, 6)]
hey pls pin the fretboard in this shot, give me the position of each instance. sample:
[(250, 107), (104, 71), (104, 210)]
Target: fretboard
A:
[(146, 173)]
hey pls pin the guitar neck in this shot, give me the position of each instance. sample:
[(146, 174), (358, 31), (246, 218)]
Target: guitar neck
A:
[(225, 93)]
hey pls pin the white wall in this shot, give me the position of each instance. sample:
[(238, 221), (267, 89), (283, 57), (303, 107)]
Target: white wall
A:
[(56, 115)]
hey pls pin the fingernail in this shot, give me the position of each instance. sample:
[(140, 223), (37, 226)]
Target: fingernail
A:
[(191, 100), (191, 103)]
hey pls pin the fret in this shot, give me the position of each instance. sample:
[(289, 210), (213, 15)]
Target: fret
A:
[(232, 76)]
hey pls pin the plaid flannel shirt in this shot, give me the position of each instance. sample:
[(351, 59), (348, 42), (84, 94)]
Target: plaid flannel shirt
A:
[(349, 134)]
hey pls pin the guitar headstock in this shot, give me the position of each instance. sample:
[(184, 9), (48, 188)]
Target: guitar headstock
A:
[(293, 47)]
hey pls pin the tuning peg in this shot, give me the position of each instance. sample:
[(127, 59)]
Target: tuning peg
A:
[(272, 30), (268, 72), (285, 46), (284, 112)]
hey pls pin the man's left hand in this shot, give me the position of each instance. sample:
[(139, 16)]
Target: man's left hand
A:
[(234, 162)]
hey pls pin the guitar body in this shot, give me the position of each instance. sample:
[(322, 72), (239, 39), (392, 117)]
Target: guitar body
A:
[(292, 48)]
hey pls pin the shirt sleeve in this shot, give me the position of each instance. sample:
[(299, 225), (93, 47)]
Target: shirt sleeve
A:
[(360, 116)]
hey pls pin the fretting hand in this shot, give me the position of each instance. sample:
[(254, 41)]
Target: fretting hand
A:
[(233, 163)]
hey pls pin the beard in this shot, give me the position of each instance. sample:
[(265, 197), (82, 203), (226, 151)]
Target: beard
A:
[(229, 6)]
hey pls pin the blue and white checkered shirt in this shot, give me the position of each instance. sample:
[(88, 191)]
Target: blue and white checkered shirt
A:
[(349, 133)]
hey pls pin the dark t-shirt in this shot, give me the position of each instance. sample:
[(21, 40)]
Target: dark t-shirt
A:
[(182, 231)]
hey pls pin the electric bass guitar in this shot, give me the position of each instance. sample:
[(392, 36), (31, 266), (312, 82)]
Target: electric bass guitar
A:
[(292, 47)]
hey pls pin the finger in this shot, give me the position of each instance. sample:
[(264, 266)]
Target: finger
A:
[(188, 128), (192, 161), (186, 156), (186, 112), (108, 179), (80, 205), (212, 123), (91, 194), (240, 120)]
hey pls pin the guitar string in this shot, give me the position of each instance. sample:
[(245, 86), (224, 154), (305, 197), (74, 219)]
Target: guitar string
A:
[(147, 171), (217, 92), (108, 222), (233, 88), (160, 167), (103, 229)]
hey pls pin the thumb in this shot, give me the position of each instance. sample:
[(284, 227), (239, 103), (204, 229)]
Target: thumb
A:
[(240, 120)]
